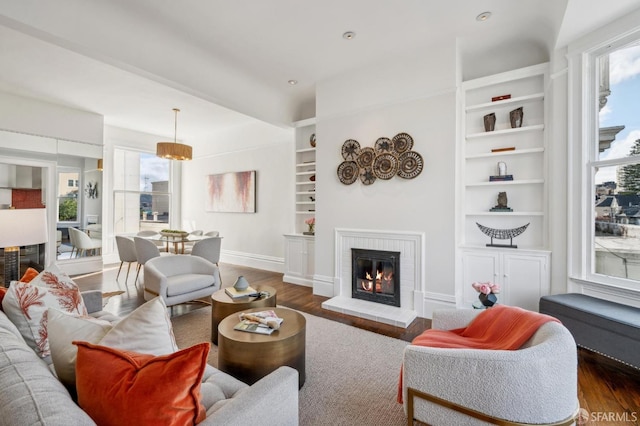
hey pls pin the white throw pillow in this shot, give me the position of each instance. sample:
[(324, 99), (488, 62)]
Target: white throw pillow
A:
[(146, 330), (26, 305)]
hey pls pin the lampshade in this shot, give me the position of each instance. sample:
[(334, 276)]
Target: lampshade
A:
[(23, 227), (174, 150)]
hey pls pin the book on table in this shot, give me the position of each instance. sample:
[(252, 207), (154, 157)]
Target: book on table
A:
[(234, 294), (256, 327)]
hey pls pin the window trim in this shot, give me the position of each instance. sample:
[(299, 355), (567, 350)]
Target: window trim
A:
[(583, 95)]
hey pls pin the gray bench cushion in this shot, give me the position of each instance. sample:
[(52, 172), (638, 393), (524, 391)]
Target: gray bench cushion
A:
[(607, 327)]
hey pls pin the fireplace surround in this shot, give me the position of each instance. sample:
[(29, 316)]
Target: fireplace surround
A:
[(410, 245)]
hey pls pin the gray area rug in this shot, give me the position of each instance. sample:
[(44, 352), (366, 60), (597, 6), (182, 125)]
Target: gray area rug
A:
[(351, 374)]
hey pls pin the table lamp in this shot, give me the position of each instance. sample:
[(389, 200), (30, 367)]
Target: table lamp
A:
[(20, 227)]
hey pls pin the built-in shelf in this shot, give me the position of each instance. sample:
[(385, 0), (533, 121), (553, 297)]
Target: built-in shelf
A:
[(509, 182), (523, 129), (505, 214), (506, 153), (520, 99)]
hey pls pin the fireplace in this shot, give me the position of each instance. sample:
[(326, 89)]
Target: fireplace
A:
[(376, 276)]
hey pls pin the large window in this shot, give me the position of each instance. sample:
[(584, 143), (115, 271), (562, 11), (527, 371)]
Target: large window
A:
[(614, 167), (142, 195)]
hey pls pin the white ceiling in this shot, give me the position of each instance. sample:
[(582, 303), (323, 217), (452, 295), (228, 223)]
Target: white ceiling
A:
[(225, 62)]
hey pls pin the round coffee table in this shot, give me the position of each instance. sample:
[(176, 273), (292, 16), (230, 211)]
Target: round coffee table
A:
[(250, 356), (222, 306)]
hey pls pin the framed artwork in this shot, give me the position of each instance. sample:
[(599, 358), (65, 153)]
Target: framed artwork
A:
[(233, 192)]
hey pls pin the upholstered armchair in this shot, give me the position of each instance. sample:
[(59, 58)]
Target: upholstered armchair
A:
[(178, 279), (534, 384)]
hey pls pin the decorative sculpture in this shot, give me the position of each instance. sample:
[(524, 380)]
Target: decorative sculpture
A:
[(502, 234), (516, 117), (490, 122)]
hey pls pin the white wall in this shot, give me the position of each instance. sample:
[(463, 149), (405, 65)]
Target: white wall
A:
[(418, 98), (251, 239)]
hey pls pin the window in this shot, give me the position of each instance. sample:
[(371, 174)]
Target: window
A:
[(68, 195), (142, 192), (614, 167)]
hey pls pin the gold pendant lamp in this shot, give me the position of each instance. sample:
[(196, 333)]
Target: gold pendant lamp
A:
[(174, 150)]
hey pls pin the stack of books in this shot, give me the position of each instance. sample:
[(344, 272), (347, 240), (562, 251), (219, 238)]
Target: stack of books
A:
[(500, 178), (235, 294)]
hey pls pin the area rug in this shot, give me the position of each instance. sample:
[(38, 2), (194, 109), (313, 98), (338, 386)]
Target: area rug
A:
[(108, 295), (351, 374)]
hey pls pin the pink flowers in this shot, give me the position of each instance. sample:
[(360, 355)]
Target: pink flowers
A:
[(310, 221), (486, 288)]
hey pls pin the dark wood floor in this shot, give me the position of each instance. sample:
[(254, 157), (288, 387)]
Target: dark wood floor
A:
[(606, 388)]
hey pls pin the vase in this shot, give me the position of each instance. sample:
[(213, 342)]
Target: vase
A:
[(311, 230), (488, 300), (489, 122), (515, 117)]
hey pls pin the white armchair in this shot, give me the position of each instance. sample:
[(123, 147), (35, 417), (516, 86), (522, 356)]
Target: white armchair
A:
[(179, 279), (534, 384)]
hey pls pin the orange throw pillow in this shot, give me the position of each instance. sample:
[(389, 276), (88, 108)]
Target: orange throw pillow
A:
[(29, 274), (117, 387), (3, 291)]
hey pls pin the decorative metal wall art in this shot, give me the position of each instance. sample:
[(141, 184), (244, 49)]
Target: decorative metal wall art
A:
[(387, 158)]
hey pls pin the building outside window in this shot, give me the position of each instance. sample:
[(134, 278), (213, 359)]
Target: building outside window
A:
[(68, 195), (142, 197)]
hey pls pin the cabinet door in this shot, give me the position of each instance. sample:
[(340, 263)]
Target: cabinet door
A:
[(309, 256), (526, 278), (295, 257), (481, 267)]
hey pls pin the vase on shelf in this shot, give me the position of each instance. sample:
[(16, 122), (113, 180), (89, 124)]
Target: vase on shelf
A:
[(488, 300), (515, 117), (489, 122)]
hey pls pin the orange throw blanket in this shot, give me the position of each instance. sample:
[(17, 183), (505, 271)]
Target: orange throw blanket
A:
[(501, 327)]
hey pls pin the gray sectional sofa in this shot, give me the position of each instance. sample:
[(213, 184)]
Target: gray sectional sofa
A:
[(30, 394)]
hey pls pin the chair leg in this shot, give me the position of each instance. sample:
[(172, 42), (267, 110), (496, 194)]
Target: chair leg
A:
[(128, 269), (119, 269), (138, 272)]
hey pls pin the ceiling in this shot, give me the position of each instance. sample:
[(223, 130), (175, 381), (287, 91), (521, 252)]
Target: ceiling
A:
[(225, 63)]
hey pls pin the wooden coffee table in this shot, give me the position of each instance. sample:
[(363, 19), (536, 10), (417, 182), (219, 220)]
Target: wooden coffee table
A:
[(222, 306), (249, 356)]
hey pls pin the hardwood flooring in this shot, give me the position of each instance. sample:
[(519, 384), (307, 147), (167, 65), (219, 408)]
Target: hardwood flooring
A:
[(607, 389)]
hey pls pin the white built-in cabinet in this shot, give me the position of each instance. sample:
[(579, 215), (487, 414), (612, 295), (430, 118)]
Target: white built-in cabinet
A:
[(523, 275), (299, 248), (299, 259), (523, 272)]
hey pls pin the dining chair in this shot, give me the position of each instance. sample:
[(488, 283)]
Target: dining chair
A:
[(212, 234), (127, 253), (209, 249), (84, 243), (145, 250), (149, 233)]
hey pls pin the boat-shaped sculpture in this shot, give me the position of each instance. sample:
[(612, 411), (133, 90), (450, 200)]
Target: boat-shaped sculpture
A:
[(502, 234)]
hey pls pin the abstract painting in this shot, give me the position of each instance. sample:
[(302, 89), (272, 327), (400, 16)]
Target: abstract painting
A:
[(233, 192)]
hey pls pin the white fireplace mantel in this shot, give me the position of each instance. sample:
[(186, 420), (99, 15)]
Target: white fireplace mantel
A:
[(411, 248)]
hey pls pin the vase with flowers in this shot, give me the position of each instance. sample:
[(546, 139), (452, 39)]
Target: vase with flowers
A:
[(487, 292), (311, 223)]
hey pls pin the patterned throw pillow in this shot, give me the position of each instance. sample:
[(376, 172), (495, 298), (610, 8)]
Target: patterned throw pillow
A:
[(26, 305)]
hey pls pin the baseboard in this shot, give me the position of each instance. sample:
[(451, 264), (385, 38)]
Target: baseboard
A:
[(434, 301), (292, 279), (323, 286), (251, 260)]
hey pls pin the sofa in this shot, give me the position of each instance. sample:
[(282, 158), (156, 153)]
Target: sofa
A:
[(31, 394)]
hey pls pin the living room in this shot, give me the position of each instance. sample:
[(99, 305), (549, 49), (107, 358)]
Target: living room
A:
[(415, 89)]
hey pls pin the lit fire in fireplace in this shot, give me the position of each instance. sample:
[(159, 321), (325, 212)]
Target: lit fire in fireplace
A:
[(383, 281)]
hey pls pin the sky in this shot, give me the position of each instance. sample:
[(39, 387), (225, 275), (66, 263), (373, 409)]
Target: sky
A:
[(152, 169), (622, 106)]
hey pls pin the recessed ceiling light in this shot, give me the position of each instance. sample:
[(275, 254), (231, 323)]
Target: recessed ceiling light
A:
[(483, 16), (293, 82), (349, 35)]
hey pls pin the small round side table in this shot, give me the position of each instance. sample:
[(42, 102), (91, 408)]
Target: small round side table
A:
[(222, 306)]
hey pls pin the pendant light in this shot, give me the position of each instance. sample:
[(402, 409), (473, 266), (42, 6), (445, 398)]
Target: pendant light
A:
[(174, 150)]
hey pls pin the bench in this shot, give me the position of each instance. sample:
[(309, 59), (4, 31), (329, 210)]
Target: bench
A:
[(609, 328)]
